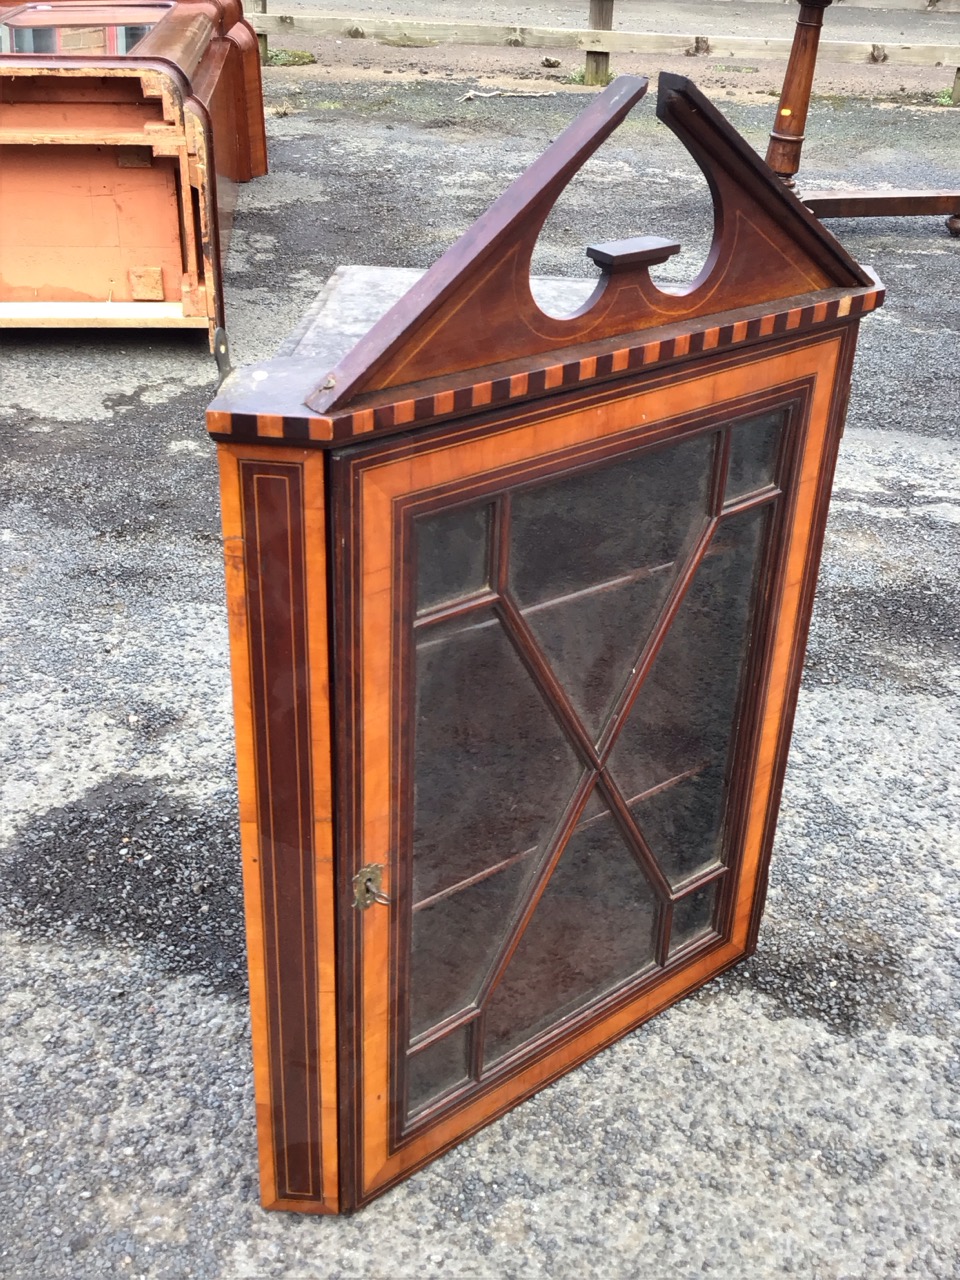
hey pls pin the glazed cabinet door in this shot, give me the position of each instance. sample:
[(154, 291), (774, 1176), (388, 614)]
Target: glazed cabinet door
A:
[(568, 648)]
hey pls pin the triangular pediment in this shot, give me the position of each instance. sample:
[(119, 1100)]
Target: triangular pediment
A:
[(474, 307)]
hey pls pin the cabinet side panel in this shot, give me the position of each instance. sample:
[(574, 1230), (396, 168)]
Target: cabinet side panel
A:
[(829, 451), (273, 513)]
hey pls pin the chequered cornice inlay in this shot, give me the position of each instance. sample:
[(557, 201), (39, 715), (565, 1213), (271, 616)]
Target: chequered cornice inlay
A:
[(538, 382)]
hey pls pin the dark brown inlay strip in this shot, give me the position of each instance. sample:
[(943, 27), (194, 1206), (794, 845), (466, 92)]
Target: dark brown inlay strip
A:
[(272, 502)]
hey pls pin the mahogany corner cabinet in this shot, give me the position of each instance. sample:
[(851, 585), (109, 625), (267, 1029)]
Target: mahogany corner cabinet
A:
[(518, 607), (124, 128)]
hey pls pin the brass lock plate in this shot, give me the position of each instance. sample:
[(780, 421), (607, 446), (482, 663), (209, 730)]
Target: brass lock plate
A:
[(367, 886)]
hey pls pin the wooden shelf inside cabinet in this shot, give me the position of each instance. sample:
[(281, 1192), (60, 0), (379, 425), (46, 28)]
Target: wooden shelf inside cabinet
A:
[(517, 609), (124, 129), (166, 139)]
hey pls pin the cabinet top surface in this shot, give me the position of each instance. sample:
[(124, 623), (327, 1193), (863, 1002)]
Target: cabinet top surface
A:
[(66, 17), (116, 37)]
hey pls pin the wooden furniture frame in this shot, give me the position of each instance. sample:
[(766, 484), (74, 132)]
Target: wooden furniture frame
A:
[(122, 137), (786, 142), (518, 607)]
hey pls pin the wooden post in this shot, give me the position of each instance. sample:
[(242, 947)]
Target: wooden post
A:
[(597, 70), (262, 44), (955, 96), (786, 140)]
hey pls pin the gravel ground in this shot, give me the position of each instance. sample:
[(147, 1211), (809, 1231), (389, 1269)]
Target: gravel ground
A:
[(721, 72), (489, 67), (797, 1117), (892, 23)]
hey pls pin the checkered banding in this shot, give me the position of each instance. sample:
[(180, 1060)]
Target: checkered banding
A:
[(537, 382)]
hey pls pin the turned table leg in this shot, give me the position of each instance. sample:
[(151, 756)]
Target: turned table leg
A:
[(786, 139), (786, 142)]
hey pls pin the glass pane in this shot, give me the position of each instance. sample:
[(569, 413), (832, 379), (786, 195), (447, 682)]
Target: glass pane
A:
[(455, 941), (683, 718), (682, 823), (34, 40), (595, 806), (129, 37), (693, 915), (593, 557), (87, 30), (493, 772), (593, 929), (754, 449), (451, 555), (436, 1069)]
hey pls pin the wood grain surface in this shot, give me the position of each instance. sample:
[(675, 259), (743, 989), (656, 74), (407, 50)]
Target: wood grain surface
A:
[(273, 510)]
